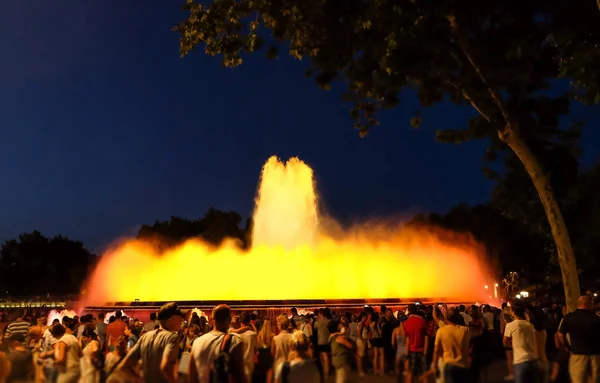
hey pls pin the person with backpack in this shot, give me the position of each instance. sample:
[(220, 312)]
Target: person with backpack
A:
[(158, 349), (218, 356)]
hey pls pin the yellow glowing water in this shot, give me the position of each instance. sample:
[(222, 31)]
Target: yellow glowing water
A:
[(294, 257)]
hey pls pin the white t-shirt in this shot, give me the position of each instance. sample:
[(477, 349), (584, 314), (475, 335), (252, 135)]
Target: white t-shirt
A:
[(300, 372), (205, 350), (467, 318), (250, 346), (72, 353), (282, 347), (489, 320), (522, 334)]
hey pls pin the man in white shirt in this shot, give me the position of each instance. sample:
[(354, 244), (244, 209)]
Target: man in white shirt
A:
[(488, 315), (520, 334), (208, 347)]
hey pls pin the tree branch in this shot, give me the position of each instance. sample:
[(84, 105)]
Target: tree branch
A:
[(466, 48), (469, 98)]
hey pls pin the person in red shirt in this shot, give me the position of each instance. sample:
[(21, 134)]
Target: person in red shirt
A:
[(114, 330), (415, 328)]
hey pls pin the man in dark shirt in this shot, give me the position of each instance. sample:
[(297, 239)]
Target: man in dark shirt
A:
[(583, 330)]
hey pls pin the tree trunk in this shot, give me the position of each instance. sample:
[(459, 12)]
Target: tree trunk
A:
[(541, 181)]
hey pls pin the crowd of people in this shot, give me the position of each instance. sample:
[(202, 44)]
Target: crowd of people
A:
[(416, 343)]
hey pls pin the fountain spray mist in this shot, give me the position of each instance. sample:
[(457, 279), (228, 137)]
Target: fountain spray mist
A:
[(292, 257)]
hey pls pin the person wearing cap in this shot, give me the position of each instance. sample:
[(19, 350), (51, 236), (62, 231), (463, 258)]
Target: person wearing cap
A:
[(158, 349)]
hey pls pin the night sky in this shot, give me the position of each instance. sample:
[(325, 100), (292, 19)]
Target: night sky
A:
[(104, 127)]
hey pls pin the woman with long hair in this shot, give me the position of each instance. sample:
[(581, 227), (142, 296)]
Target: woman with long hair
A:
[(399, 342), (376, 344), (90, 361), (263, 370), (479, 349), (362, 341)]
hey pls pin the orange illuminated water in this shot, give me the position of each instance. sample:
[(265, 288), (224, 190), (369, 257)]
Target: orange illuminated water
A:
[(296, 255)]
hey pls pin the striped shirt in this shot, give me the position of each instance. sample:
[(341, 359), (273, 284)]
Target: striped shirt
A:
[(17, 327)]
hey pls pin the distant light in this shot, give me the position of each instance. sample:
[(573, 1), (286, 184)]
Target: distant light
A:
[(496, 285), (485, 287), (518, 296), (524, 294), (595, 294), (490, 297)]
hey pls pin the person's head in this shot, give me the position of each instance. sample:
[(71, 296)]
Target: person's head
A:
[(485, 308), (194, 330), (354, 318), (585, 302), (374, 317), (504, 304), (294, 311), (383, 309), (101, 316), (119, 314), (245, 318), (221, 316), (537, 318), (412, 309), (363, 316), (112, 319), (170, 316), (121, 348), (283, 322), (293, 325), (55, 321), (253, 317), (153, 317), (266, 333), (69, 323), (300, 344), (333, 326), (57, 330), (89, 333), (518, 310), (454, 317), (130, 330), (41, 321), (389, 314), (345, 323), (461, 308)]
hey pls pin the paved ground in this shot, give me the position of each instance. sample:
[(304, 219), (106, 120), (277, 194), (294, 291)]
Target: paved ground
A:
[(497, 371)]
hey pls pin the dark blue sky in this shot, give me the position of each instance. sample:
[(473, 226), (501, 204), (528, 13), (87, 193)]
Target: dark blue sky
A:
[(104, 127)]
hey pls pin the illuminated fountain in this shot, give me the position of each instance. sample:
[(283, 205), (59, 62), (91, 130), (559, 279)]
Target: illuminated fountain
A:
[(55, 314), (295, 256)]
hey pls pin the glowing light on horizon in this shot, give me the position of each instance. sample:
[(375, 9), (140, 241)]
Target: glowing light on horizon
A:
[(296, 256)]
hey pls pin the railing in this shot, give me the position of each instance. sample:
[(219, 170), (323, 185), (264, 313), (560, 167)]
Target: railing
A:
[(31, 304)]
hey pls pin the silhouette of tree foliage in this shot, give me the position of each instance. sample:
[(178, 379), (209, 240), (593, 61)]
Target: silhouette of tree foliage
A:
[(213, 228), (498, 56), (36, 265)]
